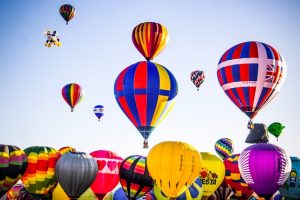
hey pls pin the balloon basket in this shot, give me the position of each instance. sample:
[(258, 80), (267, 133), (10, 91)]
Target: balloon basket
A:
[(145, 144)]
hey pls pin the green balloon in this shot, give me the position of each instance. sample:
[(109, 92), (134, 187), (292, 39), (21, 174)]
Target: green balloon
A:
[(275, 129)]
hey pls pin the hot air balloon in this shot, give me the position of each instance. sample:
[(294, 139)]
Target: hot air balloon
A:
[(276, 129), (233, 178), (39, 177), (72, 94), (145, 92), (118, 194), (193, 192), (150, 38), (174, 166), (291, 188), (224, 192), (13, 163), (264, 167), (98, 110), (66, 149), (14, 192), (134, 177), (67, 11), (75, 172), (224, 147), (251, 74), (212, 173), (108, 172), (59, 194), (197, 77)]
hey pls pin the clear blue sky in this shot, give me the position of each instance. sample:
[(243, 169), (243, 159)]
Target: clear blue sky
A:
[(97, 46)]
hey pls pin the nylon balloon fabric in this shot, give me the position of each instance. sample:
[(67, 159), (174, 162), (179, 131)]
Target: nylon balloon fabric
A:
[(224, 147), (251, 74), (72, 94)]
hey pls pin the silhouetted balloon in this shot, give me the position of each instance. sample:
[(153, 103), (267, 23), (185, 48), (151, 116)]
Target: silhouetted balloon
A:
[(75, 172), (67, 11)]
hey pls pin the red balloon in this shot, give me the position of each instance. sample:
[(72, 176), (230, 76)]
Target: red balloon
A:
[(108, 172)]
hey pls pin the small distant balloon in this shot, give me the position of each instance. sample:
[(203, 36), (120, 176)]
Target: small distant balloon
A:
[(67, 11), (72, 94), (224, 147), (276, 129), (98, 110), (197, 77)]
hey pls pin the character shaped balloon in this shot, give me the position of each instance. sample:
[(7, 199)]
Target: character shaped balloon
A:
[(251, 74), (150, 38), (13, 163), (98, 110), (108, 172), (72, 94), (67, 11), (52, 38), (145, 92), (264, 167), (197, 77), (276, 129)]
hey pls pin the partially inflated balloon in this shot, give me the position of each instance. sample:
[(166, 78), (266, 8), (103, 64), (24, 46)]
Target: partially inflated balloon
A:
[(59, 194), (39, 177), (134, 177), (13, 163), (75, 172), (276, 129), (224, 147), (212, 173), (174, 166), (197, 77), (14, 192), (67, 11), (98, 110), (291, 188), (72, 94), (118, 194), (145, 92), (251, 74), (108, 172), (233, 178), (264, 167), (150, 38)]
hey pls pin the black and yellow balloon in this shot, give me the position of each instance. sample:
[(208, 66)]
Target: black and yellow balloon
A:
[(174, 166)]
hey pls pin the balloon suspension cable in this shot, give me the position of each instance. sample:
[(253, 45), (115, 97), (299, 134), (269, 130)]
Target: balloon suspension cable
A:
[(250, 124), (145, 144)]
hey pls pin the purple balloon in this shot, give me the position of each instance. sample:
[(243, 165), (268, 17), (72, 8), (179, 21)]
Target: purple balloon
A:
[(264, 167)]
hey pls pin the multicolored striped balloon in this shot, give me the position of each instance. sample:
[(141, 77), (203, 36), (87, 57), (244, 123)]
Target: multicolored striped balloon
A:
[(66, 149), (234, 179), (197, 77), (224, 147), (13, 163), (134, 177), (72, 94), (108, 172), (150, 38), (145, 91), (39, 177), (251, 74), (67, 11)]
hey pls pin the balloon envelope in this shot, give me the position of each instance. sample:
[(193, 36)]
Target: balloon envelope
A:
[(150, 38), (108, 172), (251, 74), (13, 163), (224, 147), (264, 167), (145, 92), (67, 11), (174, 166), (75, 172), (276, 129), (98, 110), (72, 94), (291, 188), (197, 77)]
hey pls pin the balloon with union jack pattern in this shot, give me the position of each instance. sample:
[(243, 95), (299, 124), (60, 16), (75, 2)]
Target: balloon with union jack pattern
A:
[(134, 177), (251, 74), (72, 94)]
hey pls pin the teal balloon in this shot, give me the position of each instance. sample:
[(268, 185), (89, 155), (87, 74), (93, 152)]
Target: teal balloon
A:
[(276, 129), (291, 188)]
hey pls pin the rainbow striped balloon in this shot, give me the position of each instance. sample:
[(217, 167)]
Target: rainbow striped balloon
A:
[(224, 147), (39, 177), (66, 149), (67, 11), (13, 163), (150, 38), (72, 94), (134, 177)]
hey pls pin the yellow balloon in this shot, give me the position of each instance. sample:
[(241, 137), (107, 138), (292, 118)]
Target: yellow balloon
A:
[(174, 166), (212, 173), (59, 194)]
